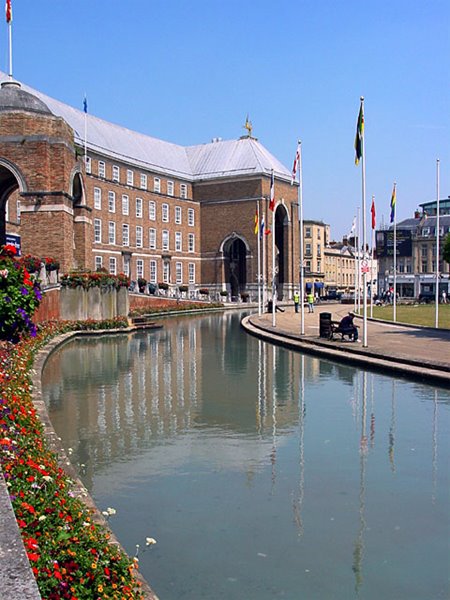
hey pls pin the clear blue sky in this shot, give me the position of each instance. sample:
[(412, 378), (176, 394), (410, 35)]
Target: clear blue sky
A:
[(187, 71)]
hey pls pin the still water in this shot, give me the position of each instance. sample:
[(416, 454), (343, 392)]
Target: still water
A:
[(261, 473)]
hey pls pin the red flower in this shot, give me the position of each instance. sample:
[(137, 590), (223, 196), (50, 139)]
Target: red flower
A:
[(33, 556)]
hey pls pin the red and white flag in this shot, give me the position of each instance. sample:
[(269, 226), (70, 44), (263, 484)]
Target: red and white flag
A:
[(372, 210), (272, 193), (8, 11), (296, 164)]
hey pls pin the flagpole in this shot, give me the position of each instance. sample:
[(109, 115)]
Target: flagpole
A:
[(371, 261), (300, 215), (358, 262), (258, 241), (264, 291), (274, 299), (364, 278), (9, 19), (394, 313), (436, 324), (85, 128)]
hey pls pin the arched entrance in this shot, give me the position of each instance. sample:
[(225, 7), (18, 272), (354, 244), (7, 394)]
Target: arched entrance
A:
[(10, 181), (281, 249), (235, 256)]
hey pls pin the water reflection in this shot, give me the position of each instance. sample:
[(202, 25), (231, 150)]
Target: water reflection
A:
[(262, 473)]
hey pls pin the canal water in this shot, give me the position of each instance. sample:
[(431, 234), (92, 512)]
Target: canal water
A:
[(261, 473)]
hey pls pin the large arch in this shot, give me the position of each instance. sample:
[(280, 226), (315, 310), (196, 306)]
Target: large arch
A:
[(282, 244), (11, 179), (235, 251)]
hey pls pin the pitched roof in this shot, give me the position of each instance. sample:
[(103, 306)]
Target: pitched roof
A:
[(229, 158)]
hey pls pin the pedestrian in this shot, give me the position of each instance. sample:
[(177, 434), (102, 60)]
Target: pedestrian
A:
[(296, 300), (444, 297), (310, 300)]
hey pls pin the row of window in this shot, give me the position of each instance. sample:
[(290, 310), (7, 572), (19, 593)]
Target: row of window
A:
[(165, 209), (308, 249), (153, 270), (129, 178), (139, 237)]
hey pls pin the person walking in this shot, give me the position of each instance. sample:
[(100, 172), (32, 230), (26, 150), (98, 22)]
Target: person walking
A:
[(310, 300), (296, 300)]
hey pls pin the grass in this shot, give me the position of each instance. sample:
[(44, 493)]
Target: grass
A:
[(415, 314)]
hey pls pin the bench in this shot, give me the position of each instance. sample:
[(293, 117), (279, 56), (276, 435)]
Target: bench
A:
[(343, 332)]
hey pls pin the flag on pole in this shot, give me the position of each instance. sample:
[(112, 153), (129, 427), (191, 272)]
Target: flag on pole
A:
[(261, 228), (353, 229), (85, 104), (393, 203), (256, 222), (359, 135), (372, 210), (272, 192), (296, 164), (8, 11)]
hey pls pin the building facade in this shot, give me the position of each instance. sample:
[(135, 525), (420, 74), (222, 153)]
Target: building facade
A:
[(96, 195)]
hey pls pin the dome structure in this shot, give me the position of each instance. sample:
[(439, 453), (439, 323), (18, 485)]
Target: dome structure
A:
[(13, 97)]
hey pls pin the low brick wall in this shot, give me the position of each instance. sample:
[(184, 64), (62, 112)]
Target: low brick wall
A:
[(143, 301), (80, 304)]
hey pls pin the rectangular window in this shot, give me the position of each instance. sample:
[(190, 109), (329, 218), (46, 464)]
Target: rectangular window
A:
[(308, 249), (191, 242), (112, 202), (152, 210), (101, 169), (88, 164), (138, 236), (425, 231), (139, 208), (97, 231), (165, 240), (97, 198), (319, 250), (152, 238), (115, 173), (165, 213), (183, 190), (112, 265), (178, 215), (307, 266), (170, 188), (308, 232), (143, 181), (166, 272), (319, 266), (179, 272), (191, 269), (125, 235), (126, 267), (125, 205), (130, 177), (153, 272), (157, 184), (178, 241), (140, 268), (111, 232), (98, 263), (191, 218)]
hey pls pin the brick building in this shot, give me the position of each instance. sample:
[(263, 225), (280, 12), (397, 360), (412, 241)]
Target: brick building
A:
[(94, 194)]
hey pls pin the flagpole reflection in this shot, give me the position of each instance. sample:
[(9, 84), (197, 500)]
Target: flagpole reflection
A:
[(434, 461), (297, 503), (392, 430)]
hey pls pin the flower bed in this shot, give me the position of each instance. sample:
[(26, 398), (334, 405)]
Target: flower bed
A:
[(70, 555), (89, 279)]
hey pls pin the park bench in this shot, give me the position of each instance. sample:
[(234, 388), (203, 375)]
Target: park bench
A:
[(343, 332)]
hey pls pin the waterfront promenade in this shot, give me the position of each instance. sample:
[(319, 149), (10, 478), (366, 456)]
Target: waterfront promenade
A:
[(415, 352)]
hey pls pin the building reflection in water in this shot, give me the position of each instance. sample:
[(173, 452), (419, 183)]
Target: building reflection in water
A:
[(112, 399)]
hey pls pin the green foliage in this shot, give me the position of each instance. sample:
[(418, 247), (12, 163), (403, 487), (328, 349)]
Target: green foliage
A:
[(446, 249), (89, 279), (19, 297)]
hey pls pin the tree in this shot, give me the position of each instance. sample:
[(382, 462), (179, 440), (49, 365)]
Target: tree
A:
[(446, 249)]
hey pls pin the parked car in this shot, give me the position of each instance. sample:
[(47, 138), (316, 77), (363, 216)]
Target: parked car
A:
[(333, 295)]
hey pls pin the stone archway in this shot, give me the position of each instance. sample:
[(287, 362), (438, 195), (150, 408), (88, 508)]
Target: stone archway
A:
[(235, 255), (281, 249)]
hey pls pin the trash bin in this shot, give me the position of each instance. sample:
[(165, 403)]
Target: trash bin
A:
[(269, 306), (325, 325)]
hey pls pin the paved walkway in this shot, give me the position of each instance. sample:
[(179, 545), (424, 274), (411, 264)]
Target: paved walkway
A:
[(417, 352)]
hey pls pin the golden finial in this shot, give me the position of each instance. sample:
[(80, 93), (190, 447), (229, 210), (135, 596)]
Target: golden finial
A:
[(248, 126)]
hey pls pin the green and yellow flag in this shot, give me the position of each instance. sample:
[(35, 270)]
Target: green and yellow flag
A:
[(359, 135)]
